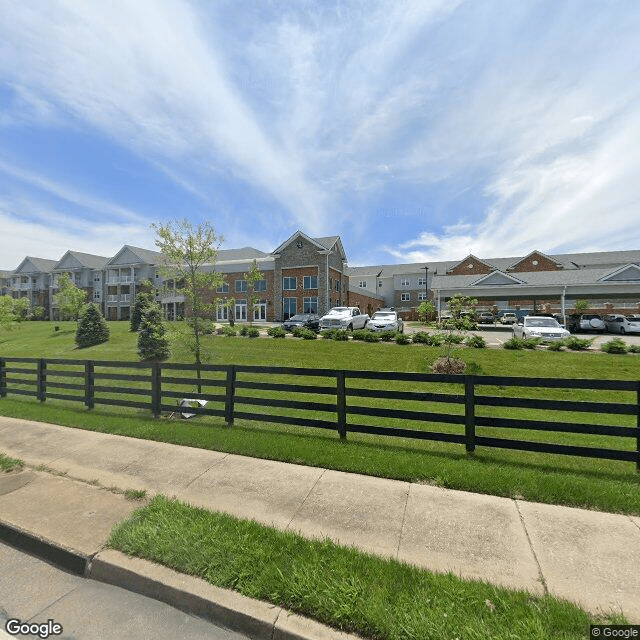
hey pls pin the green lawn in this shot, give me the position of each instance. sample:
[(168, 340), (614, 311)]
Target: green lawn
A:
[(599, 484)]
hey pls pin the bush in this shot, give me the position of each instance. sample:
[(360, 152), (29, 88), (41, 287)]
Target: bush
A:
[(514, 343), (370, 336), (430, 339), (634, 348), (328, 334), (341, 335), (230, 332), (252, 332), (421, 337), (276, 332), (304, 333), (478, 342), (452, 338), (402, 339), (577, 344), (92, 328), (243, 330), (556, 345), (360, 334), (617, 345), (152, 342), (531, 343), (387, 336)]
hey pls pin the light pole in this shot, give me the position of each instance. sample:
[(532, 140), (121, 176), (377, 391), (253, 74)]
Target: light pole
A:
[(426, 282)]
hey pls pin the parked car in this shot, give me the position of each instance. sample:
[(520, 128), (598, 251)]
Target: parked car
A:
[(307, 320), (586, 322), (386, 320), (344, 318), (539, 327), (618, 323), (508, 318), (486, 317)]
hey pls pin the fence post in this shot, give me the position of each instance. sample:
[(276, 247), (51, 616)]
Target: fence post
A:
[(341, 404), (638, 431), (3, 378), (156, 389), (229, 403), (89, 384), (42, 380), (469, 414)]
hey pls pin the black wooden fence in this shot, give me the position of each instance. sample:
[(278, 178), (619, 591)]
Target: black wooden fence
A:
[(252, 393)]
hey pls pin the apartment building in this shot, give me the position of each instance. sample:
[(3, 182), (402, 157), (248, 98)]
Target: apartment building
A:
[(311, 275)]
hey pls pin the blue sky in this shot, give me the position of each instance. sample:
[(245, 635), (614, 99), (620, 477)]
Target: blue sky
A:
[(416, 131)]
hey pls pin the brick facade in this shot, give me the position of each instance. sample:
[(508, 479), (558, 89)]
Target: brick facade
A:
[(534, 262), (470, 266)]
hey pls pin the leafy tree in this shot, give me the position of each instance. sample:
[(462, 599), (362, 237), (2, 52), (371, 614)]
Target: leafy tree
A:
[(188, 256), (71, 299), (581, 306), (7, 311), (92, 328), (152, 341), (21, 308), (426, 311), (454, 328), (251, 278)]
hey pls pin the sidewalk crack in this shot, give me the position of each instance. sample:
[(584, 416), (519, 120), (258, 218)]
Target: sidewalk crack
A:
[(215, 464), (404, 517), (297, 511), (533, 552)]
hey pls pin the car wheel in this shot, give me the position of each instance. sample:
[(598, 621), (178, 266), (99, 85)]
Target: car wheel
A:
[(350, 327)]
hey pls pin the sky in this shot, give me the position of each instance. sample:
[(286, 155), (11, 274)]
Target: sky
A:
[(416, 130)]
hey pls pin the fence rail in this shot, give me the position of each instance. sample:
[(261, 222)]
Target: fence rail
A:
[(339, 401)]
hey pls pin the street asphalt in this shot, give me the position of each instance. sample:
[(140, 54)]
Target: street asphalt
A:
[(588, 557)]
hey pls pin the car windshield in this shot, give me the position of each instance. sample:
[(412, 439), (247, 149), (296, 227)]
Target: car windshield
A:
[(298, 318), (541, 322), (337, 310), (379, 315)]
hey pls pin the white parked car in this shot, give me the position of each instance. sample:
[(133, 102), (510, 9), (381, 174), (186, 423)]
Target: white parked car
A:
[(344, 318), (539, 327), (386, 320), (622, 324), (508, 318)]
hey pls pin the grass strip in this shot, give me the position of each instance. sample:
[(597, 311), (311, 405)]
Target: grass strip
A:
[(379, 598), (8, 464)]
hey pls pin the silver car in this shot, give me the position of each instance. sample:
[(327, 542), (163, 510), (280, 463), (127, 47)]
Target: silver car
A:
[(622, 324), (539, 327), (385, 320)]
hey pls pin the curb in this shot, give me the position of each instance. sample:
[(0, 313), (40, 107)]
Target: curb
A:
[(254, 618)]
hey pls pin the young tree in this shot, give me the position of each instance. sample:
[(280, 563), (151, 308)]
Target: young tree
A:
[(454, 326), (152, 342), (92, 328), (71, 299), (251, 278), (426, 311), (188, 256), (7, 311)]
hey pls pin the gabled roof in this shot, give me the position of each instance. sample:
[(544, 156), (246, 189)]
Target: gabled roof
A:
[(628, 273), (144, 256), (246, 253), (87, 260), (35, 265), (535, 253), (324, 244), (496, 278), (471, 259)]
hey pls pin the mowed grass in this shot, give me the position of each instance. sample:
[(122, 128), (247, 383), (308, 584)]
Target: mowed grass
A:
[(378, 598), (557, 479)]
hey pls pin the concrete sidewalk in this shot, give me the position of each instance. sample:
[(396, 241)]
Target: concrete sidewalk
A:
[(588, 557)]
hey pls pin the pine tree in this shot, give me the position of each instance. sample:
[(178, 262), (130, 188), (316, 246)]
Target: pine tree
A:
[(152, 342), (143, 299), (92, 328)]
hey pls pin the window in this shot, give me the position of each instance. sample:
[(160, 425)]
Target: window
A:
[(260, 285), (289, 284), (310, 282), (310, 305), (223, 289), (422, 281), (422, 295), (338, 285), (96, 295), (405, 282), (288, 307), (379, 283), (362, 284), (241, 286), (405, 297), (223, 313), (241, 309)]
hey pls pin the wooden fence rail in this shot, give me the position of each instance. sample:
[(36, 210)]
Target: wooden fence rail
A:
[(342, 401)]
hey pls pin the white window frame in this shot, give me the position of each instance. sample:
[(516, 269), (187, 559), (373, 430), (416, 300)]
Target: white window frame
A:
[(405, 282), (362, 284), (310, 304), (308, 281), (405, 297), (287, 286)]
